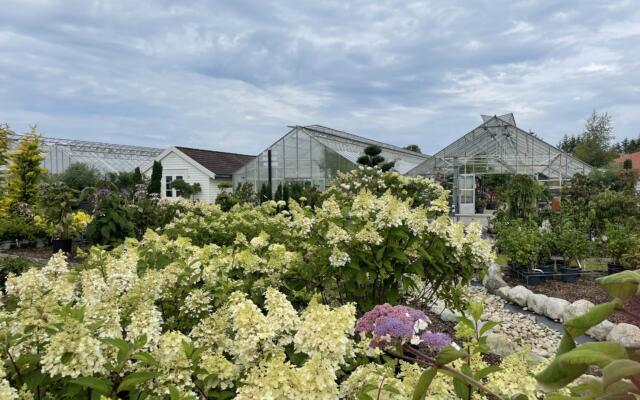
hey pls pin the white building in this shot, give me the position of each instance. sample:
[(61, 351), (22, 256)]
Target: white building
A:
[(206, 167)]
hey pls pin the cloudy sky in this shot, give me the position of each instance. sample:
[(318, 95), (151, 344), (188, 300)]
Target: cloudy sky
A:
[(231, 75)]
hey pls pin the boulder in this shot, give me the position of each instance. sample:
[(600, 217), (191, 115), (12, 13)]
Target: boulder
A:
[(519, 295), (626, 334), (578, 307), (536, 303), (554, 307), (601, 331), (493, 282), (503, 292), (450, 315), (501, 345)]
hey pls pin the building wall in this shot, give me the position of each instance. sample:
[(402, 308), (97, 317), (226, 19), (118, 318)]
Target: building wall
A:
[(173, 165)]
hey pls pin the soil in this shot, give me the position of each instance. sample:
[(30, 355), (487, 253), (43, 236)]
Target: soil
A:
[(584, 288), (40, 254)]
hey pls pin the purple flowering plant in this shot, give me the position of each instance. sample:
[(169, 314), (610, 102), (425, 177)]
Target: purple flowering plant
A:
[(402, 332)]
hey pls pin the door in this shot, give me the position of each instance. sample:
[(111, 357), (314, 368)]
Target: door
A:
[(467, 192)]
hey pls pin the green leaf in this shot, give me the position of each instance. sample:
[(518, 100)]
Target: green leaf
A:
[(484, 372), (621, 285), (486, 326), (98, 384), (449, 354), (146, 358), (475, 309), (555, 377), (66, 357), (120, 344), (579, 324), (420, 391), (619, 369), (593, 353), (134, 379)]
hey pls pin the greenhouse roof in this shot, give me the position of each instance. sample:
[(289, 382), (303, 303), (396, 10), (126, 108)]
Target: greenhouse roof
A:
[(352, 146), (106, 157), (498, 146)]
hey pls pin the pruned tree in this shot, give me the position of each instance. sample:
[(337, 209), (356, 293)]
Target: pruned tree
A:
[(414, 148), (372, 158), (156, 178)]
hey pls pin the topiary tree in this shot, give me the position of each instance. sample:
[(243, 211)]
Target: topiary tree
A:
[(187, 190), (137, 176), (265, 193), (414, 148), (372, 158), (156, 178), (25, 171)]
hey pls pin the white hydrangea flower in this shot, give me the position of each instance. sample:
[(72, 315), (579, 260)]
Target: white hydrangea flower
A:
[(145, 320), (197, 303), (6, 391), (282, 316), (84, 351), (338, 258)]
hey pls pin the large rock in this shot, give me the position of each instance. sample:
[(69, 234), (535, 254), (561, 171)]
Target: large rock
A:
[(493, 282), (601, 331), (626, 334), (536, 303), (450, 315), (519, 295), (503, 292), (554, 307), (576, 308), (501, 344)]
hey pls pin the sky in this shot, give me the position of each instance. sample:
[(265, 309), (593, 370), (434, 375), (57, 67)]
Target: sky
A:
[(232, 75)]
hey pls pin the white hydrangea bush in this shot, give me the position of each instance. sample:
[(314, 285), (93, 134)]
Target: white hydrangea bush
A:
[(106, 328)]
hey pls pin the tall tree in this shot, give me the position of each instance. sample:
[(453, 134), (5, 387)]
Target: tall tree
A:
[(594, 144), (137, 176), (156, 178), (413, 147), (372, 158), (25, 170)]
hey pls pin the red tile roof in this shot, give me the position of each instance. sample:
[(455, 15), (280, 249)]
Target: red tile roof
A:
[(634, 157), (220, 163)]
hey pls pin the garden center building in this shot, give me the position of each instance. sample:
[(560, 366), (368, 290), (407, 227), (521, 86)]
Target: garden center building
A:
[(495, 147), (315, 154)]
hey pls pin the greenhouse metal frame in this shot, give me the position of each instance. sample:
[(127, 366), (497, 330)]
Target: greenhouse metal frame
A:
[(498, 146), (106, 157), (315, 154)]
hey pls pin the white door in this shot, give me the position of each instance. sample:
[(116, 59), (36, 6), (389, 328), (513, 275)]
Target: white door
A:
[(467, 192)]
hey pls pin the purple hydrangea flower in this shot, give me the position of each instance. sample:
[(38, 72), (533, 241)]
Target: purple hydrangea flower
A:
[(103, 192), (435, 340), (394, 327)]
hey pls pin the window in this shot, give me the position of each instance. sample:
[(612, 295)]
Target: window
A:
[(178, 193), (168, 191)]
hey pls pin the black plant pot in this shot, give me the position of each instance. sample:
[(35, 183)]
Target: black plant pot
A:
[(569, 274), (614, 268), (548, 271), (532, 278), (479, 210), (62, 244), (514, 270)]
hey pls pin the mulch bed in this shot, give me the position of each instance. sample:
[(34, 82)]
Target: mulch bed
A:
[(584, 288)]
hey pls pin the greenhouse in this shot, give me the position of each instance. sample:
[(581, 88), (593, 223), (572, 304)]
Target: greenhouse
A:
[(497, 147), (106, 157), (315, 154)]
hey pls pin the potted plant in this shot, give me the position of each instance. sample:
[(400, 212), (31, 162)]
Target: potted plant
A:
[(574, 245), (480, 204), (56, 202), (522, 243), (618, 242)]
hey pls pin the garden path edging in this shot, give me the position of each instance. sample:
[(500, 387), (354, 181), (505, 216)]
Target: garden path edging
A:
[(558, 309)]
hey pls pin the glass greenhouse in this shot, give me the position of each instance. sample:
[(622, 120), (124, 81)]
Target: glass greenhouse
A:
[(495, 147), (106, 157), (315, 154)]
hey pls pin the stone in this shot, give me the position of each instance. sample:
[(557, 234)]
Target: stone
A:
[(450, 316), (493, 282), (536, 303), (501, 344), (503, 292), (576, 308), (554, 308), (519, 295), (601, 331), (626, 334)]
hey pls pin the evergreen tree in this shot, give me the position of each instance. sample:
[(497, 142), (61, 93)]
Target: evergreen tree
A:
[(372, 158), (25, 171), (265, 193), (137, 176), (414, 148), (156, 178), (4, 150)]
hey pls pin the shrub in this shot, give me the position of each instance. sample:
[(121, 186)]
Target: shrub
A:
[(56, 202), (521, 241), (13, 265), (111, 223), (79, 176)]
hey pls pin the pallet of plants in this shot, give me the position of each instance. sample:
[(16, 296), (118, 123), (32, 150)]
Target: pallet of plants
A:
[(523, 244)]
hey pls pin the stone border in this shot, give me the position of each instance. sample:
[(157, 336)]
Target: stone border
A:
[(559, 309)]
